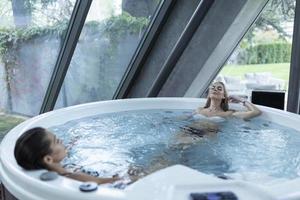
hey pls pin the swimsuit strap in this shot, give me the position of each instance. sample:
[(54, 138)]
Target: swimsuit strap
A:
[(192, 130)]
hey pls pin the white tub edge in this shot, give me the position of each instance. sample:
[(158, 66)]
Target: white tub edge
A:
[(9, 166)]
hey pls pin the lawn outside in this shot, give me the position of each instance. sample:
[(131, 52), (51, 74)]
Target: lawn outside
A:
[(7, 122), (278, 70)]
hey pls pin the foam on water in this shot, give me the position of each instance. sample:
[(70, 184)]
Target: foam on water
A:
[(111, 143)]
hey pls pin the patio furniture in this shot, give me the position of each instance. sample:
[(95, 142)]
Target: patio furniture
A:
[(263, 81)]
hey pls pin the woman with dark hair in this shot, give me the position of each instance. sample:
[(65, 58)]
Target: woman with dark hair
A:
[(38, 148)]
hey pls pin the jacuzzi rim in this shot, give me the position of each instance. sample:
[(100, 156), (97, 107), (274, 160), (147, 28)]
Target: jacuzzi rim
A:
[(185, 103)]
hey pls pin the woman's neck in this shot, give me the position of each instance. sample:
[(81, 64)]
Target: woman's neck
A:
[(215, 105), (57, 167)]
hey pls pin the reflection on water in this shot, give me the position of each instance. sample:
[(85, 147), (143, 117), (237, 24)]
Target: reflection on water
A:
[(111, 143)]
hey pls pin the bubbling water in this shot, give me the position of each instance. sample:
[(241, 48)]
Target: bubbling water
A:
[(113, 142)]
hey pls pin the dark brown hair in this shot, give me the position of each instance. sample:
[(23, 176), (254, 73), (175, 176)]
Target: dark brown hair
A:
[(31, 147), (224, 102)]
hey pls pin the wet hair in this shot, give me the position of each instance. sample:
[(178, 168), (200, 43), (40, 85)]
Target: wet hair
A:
[(31, 147), (224, 102)]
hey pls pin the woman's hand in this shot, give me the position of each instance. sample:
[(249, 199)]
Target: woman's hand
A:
[(116, 177), (251, 109)]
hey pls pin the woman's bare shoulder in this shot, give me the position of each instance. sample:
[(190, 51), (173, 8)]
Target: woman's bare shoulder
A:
[(199, 110)]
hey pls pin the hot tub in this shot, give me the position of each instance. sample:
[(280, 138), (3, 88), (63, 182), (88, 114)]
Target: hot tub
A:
[(175, 182)]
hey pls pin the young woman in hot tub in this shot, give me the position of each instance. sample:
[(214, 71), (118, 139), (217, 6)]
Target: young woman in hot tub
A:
[(38, 148), (217, 104), (206, 119)]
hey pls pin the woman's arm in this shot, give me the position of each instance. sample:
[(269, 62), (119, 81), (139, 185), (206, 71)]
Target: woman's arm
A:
[(79, 176), (85, 178), (252, 110)]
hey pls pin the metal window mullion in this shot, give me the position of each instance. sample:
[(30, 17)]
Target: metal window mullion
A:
[(144, 48), (76, 23), (203, 93), (180, 46), (294, 78)]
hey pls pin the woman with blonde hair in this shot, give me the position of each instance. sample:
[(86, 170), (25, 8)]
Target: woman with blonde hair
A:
[(217, 104), (216, 110)]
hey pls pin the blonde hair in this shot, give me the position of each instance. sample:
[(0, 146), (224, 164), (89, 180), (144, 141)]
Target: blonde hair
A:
[(224, 102)]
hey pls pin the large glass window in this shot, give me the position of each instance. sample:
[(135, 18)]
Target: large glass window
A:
[(261, 62), (110, 36), (31, 34)]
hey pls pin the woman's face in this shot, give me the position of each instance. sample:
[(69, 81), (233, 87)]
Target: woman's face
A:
[(59, 151), (216, 91)]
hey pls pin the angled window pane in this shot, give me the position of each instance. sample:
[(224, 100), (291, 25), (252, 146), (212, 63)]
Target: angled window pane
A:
[(31, 34), (261, 62), (110, 36)]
